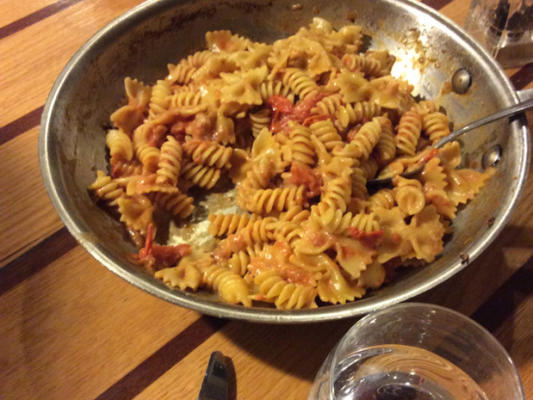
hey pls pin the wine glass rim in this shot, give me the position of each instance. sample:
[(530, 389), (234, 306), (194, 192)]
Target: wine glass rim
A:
[(428, 306)]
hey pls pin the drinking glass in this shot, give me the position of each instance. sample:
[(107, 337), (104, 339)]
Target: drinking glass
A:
[(416, 351), (504, 28)]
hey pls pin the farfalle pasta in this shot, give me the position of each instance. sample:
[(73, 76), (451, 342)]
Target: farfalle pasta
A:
[(258, 156)]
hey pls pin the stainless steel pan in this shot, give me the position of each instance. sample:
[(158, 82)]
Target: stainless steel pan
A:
[(429, 48)]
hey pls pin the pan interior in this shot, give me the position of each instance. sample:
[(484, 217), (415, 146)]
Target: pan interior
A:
[(429, 49)]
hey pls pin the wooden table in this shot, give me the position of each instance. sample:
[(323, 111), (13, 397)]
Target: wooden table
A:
[(70, 329)]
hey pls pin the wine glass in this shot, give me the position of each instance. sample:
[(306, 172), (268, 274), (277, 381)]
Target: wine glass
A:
[(416, 351)]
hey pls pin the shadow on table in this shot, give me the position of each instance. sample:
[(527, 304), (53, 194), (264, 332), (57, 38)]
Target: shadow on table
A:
[(509, 315), (469, 289), (297, 350)]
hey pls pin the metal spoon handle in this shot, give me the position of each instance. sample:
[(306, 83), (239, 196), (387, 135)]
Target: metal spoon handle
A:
[(506, 112)]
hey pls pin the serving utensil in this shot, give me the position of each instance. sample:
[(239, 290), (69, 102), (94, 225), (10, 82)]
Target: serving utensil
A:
[(419, 166)]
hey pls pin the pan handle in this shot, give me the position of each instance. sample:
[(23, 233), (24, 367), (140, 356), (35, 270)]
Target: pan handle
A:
[(525, 94)]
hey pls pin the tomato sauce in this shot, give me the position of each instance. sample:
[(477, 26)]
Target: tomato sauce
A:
[(310, 178), (369, 239), (154, 255), (284, 111)]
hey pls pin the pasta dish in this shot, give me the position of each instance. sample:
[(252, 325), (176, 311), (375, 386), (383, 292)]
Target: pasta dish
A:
[(294, 129)]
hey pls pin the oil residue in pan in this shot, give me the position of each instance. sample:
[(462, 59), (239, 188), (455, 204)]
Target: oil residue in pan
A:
[(196, 232)]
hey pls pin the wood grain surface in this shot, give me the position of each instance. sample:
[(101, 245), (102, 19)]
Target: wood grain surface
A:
[(70, 329)]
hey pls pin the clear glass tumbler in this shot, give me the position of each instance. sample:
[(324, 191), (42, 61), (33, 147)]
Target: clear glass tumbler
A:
[(415, 351), (504, 28)]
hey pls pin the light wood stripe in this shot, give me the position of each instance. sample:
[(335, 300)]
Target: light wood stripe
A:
[(34, 17), (27, 214), (455, 10), (76, 328), (21, 69)]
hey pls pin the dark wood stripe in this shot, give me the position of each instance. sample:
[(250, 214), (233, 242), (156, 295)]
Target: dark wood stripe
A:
[(36, 259), (20, 125), (436, 4), (501, 305), (523, 76), (35, 17), (138, 379)]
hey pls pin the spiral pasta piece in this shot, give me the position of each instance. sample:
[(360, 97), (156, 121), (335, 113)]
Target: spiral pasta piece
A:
[(284, 295), (288, 231), (186, 99), (364, 140), (353, 114), (409, 129), (264, 201), (178, 204), (208, 153), (296, 214), (386, 147), (231, 287), (119, 145), (259, 176), (227, 224), (149, 157), (106, 189), (359, 189), (168, 168), (436, 126), (200, 175), (383, 198), (337, 193), (123, 169), (181, 73), (300, 82), (326, 132), (274, 88), (425, 107), (160, 99), (328, 105), (330, 219), (238, 262), (365, 222), (259, 231), (409, 195), (260, 120), (369, 167), (303, 150), (199, 58), (358, 63)]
